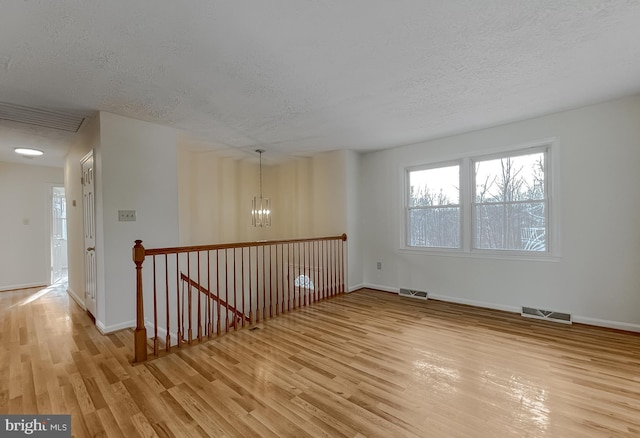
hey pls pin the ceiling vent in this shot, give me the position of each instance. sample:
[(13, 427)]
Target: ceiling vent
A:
[(547, 315), (412, 293), (40, 117)]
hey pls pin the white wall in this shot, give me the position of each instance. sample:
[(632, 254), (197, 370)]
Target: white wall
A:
[(329, 194), (311, 197), (292, 199), (308, 195), (184, 195), (87, 138), (596, 277), (25, 245), (136, 169), (353, 218), (215, 197), (334, 207)]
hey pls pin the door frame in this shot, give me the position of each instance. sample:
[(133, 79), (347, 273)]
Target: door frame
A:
[(89, 156)]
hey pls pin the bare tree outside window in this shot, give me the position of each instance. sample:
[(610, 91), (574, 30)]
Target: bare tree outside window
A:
[(510, 203), (491, 203), (433, 215)]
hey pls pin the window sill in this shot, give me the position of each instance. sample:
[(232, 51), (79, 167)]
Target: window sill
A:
[(482, 254)]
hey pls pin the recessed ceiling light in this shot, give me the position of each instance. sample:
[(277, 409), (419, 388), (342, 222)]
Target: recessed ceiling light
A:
[(27, 152)]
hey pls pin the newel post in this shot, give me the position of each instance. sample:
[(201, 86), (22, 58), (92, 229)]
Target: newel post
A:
[(343, 269), (140, 334)]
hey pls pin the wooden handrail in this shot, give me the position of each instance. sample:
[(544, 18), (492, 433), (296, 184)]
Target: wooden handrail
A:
[(204, 290), (196, 248)]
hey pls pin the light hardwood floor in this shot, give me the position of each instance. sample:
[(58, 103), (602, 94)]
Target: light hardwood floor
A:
[(364, 364)]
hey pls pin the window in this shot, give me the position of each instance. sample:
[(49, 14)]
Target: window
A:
[(434, 207), (510, 203), (492, 203)]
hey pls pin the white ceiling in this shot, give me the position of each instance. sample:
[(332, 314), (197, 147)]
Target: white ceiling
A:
[(301, 76)]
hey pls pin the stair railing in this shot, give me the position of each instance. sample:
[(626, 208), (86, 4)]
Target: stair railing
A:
[(198, 292)]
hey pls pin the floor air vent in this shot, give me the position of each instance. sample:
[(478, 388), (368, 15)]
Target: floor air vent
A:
[(547, 315), (412, 293)]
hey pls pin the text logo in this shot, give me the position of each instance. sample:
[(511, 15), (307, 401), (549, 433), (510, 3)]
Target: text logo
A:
[(36, 426)]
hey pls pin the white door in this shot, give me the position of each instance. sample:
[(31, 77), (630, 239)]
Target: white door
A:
[(89, 218)]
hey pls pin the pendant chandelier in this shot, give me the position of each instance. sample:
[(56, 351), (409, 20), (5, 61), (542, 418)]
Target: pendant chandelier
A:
[(261, 207)]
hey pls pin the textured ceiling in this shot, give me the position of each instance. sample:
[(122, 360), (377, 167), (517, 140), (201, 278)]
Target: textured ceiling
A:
[(301, 76)]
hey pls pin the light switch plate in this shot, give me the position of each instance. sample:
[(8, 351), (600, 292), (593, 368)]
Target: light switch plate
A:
[(126, 215)]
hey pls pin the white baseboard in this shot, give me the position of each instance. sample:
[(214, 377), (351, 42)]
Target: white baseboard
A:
[(355, 288), (608, 324), (394, 290), (162, 332), (22, 286), (115, 327), (76, 298), (575, 318)]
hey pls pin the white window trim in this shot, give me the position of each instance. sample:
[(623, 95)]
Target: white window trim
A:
[(466, 195)]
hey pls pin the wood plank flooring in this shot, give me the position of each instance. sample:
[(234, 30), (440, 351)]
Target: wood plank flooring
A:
[(364, 364)]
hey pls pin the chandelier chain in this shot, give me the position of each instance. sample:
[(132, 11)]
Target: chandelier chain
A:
[(260, 152)]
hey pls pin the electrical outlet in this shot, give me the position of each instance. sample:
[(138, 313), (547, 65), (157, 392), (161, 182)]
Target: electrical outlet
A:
[(378, 265), (126, 215)]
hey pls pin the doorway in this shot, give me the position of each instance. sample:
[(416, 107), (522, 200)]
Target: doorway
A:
[(59, 265)]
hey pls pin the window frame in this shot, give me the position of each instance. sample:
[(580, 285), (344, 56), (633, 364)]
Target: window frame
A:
[(467, 201)]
